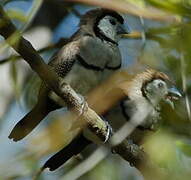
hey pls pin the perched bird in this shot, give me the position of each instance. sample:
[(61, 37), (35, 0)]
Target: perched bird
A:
[(140, 96), (89, 57), (141, 106)]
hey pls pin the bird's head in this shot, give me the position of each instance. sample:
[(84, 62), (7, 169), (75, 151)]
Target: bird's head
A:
[(148, 87), (105, 24), (157, 87)]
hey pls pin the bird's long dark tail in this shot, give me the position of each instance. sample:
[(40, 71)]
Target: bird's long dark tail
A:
[(74, 148), (28, 123)]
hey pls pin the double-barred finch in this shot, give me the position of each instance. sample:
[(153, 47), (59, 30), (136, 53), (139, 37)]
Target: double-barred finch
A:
[(141, 106), (140, 96), (90, 56)]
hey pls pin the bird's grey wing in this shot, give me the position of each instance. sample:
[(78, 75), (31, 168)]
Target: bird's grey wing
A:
[(128, 108), (147, 117)]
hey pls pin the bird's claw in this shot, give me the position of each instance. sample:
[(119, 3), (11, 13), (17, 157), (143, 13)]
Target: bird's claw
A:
[(84, 106), (84, 109), (109, 132)]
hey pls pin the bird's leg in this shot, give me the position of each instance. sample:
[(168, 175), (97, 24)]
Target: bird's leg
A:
[(84, 108)]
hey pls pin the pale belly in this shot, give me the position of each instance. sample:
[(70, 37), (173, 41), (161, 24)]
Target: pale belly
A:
[(83, 80)]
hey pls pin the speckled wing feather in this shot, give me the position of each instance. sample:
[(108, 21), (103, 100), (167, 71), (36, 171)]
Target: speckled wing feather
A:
[(62, 66)]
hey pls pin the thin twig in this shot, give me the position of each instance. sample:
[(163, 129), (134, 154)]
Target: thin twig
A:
[(85, 166), (58, 44), (75, 12), (184, 84), (35, 7), (130, 8), (143, 37)]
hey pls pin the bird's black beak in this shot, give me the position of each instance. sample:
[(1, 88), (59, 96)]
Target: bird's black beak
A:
[(173, 94), (121, 29)]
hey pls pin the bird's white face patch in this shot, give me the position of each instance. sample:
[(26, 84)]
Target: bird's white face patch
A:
[(156, 90), (108, 26)]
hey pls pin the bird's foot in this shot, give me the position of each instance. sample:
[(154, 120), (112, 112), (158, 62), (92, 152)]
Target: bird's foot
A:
[(84, 109), (84, 106), (109, 131)]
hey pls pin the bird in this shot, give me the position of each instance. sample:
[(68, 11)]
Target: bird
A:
[(137, 100), (91, 55), (140, 102)]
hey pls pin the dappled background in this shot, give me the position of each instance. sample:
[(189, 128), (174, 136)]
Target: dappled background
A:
[(161, 40)]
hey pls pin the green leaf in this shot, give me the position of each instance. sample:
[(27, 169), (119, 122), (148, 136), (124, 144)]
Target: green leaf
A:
[(17, 15), (14, 78), (176, 7)]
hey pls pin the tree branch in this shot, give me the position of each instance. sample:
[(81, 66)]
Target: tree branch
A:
[(30, 55)]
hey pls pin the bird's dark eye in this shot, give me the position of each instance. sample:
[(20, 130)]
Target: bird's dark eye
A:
[(112, 21), (160, 85)]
